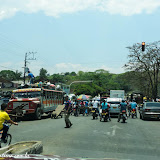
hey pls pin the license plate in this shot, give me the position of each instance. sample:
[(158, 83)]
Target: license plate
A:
[(115, 107), (93, 111), (103, 114), (133, 112)]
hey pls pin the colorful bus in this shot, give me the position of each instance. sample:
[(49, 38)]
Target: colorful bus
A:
[(35, 101)]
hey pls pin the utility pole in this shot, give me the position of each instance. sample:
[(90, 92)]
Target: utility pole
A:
[(25, 62)]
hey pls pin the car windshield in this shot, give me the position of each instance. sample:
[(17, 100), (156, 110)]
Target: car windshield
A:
[(153, 105), (27, 94)]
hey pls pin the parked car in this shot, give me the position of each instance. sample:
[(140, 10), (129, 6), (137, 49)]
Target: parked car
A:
[(150, 110)]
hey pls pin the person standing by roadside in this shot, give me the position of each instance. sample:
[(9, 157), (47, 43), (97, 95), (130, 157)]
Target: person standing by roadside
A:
[(86, 107), (76, 108), (67, 113)]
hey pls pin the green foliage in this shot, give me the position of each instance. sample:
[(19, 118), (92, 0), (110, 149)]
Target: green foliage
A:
[(10, 75), (43, 74)]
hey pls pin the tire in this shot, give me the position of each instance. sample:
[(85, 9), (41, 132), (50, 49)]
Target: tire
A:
[(93, 117), (143, 117), (124, 120), (140, 116), (37, 114), (9, 139), (132, 115)]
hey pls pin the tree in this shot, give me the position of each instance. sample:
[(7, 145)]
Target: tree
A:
[(43, 74), (146, 63), (10, 75)]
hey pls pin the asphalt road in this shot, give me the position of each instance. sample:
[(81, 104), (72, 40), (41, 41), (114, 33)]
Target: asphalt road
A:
[(136, 139)]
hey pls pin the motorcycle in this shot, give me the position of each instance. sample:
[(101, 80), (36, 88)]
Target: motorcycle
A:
[(124, 116), (134, 113), (94, 113), (104, 115)]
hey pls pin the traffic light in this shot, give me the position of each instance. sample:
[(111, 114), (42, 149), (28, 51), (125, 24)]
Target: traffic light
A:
[(143, 46)]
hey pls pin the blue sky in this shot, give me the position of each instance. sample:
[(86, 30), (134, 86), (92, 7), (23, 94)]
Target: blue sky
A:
[(73, 35)]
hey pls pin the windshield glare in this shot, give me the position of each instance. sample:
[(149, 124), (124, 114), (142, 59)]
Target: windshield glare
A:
[(27, 94)]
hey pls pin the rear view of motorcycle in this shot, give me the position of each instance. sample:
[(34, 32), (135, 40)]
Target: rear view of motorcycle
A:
[(124, 116), (134, 114), (104, 115), (94, 113)]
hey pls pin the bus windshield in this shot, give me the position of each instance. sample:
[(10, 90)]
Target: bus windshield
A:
[(27, 94)]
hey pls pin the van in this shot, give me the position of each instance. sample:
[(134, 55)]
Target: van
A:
[(114, 105)]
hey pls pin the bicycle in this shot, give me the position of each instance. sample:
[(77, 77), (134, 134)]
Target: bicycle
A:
[(8, 138)]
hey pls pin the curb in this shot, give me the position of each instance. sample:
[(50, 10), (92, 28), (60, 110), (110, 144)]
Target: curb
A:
[(25, 147)]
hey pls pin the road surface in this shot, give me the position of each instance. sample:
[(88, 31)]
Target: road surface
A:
[(136, 139)]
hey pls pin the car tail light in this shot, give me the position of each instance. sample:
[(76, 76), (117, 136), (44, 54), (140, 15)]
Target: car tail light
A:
[(9, 106), (123, 111), (134, 110), (147, 110)]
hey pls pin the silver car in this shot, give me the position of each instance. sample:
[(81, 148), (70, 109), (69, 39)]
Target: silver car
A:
[(150, 110)]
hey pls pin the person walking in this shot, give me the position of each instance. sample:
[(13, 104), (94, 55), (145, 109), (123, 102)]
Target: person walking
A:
[(67, 113)]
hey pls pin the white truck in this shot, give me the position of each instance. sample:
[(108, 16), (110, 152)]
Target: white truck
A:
[(117, 94)]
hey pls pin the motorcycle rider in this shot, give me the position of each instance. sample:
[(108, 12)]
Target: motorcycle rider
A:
[(106, 106), (96, 105), (123, 106), (134, 106)]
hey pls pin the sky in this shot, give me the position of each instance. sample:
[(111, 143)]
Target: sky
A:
[(74, 35)]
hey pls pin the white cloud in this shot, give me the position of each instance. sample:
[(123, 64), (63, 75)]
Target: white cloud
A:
[(55, 8), (35, 67)]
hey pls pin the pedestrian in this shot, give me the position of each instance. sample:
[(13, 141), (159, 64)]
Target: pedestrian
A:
[(31, 76), (82, 108), (86, 107), (76, 108), (67, 113)]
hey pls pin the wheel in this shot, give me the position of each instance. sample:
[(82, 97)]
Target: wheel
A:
[(140, 116), (123, 120), (9, 139), (132, 115), (51, 116), (143, 118), (37, 114), (93, 117)]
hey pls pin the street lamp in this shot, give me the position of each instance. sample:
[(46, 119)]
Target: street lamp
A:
[(90, 81)]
